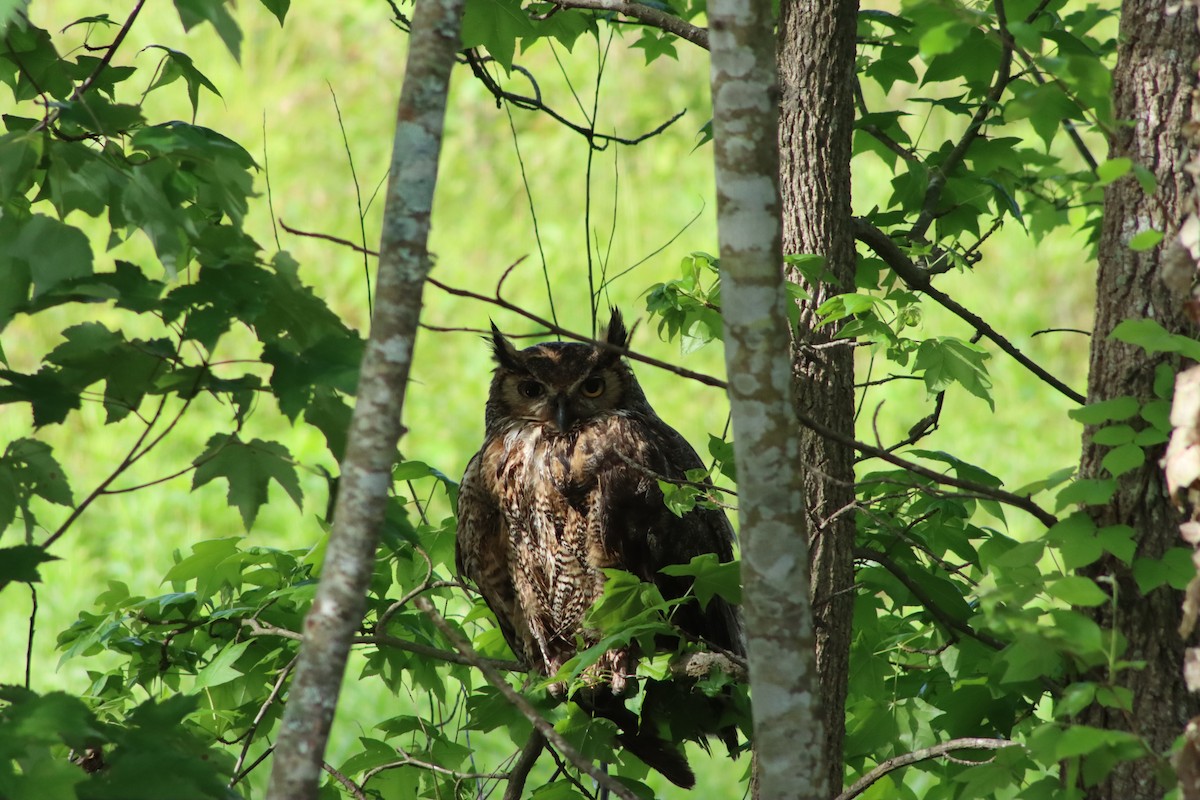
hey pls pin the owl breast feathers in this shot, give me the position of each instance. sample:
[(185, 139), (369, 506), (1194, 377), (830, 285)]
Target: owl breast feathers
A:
[(565, 486)]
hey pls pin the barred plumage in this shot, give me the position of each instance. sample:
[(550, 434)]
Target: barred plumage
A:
[(565, 486)]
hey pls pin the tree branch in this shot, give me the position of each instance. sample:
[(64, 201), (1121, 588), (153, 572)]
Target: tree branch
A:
[(521, 704), (918, 279), (380, 639), (535, 103), (936, 751), (523, 765), (645, 14), (498, 301), (926, 600), (937, 180), (1016, 501)]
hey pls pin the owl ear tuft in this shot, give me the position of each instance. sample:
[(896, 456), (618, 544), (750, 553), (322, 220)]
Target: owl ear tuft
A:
[(617, 335), (503, 352)]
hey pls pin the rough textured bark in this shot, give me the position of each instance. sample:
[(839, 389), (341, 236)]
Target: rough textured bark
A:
[(816, 54), (375, 428), (788, 746), (1153, 87)]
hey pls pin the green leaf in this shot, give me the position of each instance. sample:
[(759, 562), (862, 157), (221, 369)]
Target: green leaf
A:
[(1164, 381), (50, 250), (1154, 338), (1112, 169), (1075, 698), (19, 156), (248, 468), (35, 470), (1118, 408), (277, 7), (221, 669), (1149, 573), (179, 65), (1145, 240), (945, 360), (1077, 591), (496, 25), (20, 563), (711, 577), (214, 12), (1111, 435), (1087, 492), (1123, 459)]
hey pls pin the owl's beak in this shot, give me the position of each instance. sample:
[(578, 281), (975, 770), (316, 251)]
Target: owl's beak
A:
[(562, 415)]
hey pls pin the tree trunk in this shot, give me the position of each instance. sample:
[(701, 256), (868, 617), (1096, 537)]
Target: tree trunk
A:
[(788, 747), (816, 56), (375, 428), (1153, 87)]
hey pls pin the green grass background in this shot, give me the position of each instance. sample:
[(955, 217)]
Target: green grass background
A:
[(279, 104)]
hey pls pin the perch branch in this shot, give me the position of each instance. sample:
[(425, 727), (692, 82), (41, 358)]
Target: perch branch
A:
[(521, 704), (936, 751)]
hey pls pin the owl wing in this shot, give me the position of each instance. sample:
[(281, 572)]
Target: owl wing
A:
[(649, 536), (481, 550)]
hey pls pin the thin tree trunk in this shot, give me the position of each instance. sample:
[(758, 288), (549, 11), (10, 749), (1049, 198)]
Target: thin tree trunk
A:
[(788, 746), (375, 429), (816, 54), (1153, 88)]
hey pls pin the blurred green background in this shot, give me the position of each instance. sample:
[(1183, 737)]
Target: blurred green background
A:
[(650, 205)]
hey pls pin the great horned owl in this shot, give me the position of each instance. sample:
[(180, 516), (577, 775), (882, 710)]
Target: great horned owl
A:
[(566, 485)]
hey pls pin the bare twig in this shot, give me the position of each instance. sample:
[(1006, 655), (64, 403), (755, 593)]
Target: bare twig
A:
[(521, 704), (406, 760), (597, 141), (32, 629), (260, 629), (936, 751), (500, 302), (258, 718), (135, 453), (102, 65)]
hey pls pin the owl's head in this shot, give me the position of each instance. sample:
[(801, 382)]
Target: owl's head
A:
[(561, 385)]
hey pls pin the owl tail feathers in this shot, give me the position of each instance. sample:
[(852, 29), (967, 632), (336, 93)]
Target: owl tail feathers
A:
[(654, 751), (661, 756)]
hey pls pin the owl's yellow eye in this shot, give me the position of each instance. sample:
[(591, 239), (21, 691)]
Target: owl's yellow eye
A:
[(531, 389), (592, 387)]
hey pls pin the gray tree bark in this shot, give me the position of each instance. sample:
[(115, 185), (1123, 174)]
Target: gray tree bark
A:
[(375, 428), (788, 746), (1154, 85), (816, 55)]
